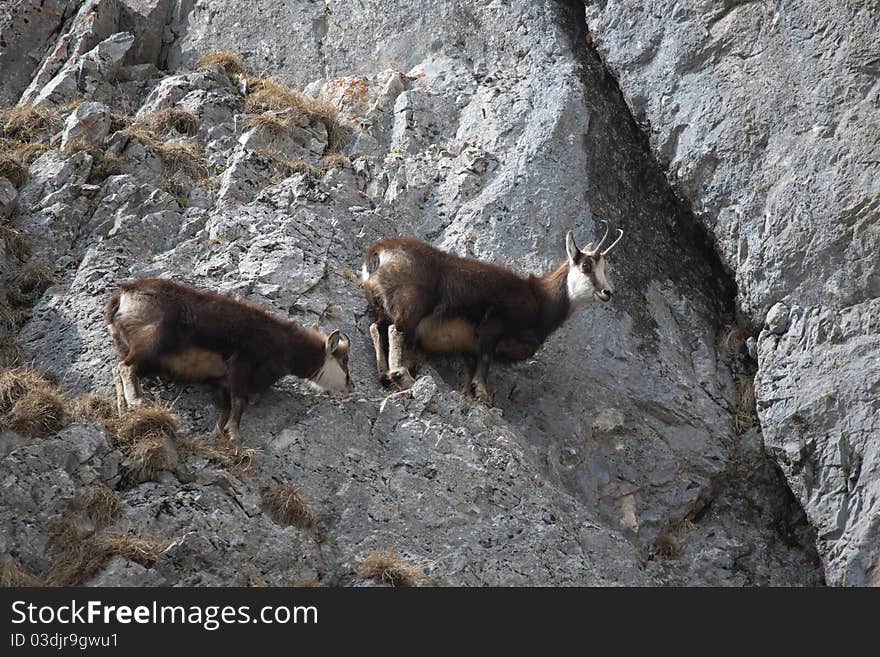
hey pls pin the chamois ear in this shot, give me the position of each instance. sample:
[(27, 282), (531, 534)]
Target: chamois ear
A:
[(332, 343), (574, 253)]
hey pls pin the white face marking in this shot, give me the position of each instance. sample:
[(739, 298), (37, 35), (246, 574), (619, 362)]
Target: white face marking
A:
[(331, 376), (580, 286)]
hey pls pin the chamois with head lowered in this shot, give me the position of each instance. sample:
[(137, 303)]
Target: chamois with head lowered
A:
[(163, 327), (441, 303)]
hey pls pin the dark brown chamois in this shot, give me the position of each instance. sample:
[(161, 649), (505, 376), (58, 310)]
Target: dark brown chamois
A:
[(240, 349), (442, 303)]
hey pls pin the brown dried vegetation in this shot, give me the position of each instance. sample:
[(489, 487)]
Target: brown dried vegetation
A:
[(390, 568)]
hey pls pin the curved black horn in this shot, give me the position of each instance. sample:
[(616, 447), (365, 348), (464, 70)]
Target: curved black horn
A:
[(602, 241), (614, 243)]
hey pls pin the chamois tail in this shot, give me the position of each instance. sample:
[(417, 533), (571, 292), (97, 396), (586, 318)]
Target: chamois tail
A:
[(112, 306), (370, 262)]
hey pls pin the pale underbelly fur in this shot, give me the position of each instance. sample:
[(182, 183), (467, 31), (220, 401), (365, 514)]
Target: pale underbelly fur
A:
[(194, 364), (454, 335), (445, 335)]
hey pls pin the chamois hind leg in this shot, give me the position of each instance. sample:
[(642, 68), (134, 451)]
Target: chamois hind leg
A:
[(144, 348), (381, 355), (120, 341), (131, 386), (121, 406)]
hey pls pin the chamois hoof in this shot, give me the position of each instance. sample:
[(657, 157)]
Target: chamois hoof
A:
[(479, 392), (401, 379)]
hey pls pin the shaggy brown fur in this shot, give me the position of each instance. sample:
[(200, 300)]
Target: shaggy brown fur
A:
[(447, 304), (191, 335)]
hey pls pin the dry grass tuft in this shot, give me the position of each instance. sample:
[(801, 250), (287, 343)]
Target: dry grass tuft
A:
[(734, 339), (285, 505), (11, 318), (140, 549), (15, 158), (146, 436), (270, 122), (231, 63), (188, 157), (10, 351), (144, 422), (27, 122), (38, 413), (105, 165), (32, 404), (92, 407), (746, 414), (665, 545), (252, 578), (79, 145), (101, 504), (172, 118), (335, 161), (79, 558), (291, 167), (390, 568), (76, 564), (12, 169), (266, 95), (224, 452), (150, 456), (307, 583), (27, 285), (119, 122), (13, 575), (16, 242), (17, 382)]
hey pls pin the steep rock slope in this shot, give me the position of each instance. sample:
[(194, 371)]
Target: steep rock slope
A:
[(765, 118), (489, 131)]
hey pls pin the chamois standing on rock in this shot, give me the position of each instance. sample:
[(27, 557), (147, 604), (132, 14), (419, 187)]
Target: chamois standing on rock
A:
[(162, 327), (443, 303)]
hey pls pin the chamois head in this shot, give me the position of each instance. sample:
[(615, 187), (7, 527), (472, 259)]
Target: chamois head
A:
[(587, 279), (333, 374)]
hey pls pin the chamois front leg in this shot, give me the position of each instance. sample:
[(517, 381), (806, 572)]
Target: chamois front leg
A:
[(121, 406), (398, 371), (488, 333), (479, 386), (381, 356)]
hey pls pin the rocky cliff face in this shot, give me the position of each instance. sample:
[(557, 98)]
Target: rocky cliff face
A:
[(626, 451), (765, 118)]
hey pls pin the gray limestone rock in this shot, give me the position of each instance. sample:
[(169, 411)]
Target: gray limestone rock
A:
[(89, 123), (618, 454), (764, 117)]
